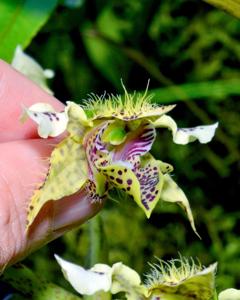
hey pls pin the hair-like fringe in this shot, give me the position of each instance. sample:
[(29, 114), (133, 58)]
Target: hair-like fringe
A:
[(172, 272)]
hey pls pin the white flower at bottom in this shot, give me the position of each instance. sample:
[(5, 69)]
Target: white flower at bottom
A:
[(229, 294), (101, 277), (177, 279)]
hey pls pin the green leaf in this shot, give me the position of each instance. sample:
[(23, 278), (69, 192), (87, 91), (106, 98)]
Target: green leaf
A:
[(230, 6), (20, 21), (216, 90), (102, 45), (106, 57)]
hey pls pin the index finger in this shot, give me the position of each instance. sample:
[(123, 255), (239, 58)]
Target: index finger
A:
[(15, 91)]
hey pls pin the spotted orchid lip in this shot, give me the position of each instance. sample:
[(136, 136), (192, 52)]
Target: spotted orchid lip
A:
[(124, 170)]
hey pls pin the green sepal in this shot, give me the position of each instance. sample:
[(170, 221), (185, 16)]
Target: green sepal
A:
[(171, 192), (68, 172)]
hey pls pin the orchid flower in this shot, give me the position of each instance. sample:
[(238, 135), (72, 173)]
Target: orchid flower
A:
[(107, 147), (31, 69), (178, 279)]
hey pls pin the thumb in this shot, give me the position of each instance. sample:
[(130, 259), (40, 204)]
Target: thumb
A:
[(23, 165)]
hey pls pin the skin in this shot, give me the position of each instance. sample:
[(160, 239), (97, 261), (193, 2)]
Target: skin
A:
[(23, 164)]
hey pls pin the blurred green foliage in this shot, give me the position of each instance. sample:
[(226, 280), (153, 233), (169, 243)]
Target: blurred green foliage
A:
[(20, 21), (191, 53)]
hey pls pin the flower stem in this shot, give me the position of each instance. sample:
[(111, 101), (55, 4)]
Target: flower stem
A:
[(94, 228), (96, 253)]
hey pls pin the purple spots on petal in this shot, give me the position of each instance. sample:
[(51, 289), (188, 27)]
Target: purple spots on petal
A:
[(119, 172), (119, 180), (144, 202), (111, 177), (128, 188), (129, 181), (151, 198)]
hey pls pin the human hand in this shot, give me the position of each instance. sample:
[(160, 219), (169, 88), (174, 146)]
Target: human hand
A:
[(23, 165)]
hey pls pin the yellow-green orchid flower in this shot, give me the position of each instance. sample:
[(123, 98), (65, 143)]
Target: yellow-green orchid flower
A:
[(178, 279), (108, 147), (181, 279)]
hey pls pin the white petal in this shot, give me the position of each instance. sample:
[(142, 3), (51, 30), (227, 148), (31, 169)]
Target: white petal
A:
[(85, 282), (229, 294), (183, 136), (50, 123), (31, 69)]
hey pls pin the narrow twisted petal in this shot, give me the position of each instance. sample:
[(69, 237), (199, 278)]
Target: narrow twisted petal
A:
[(50, 123), (183, 136)]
